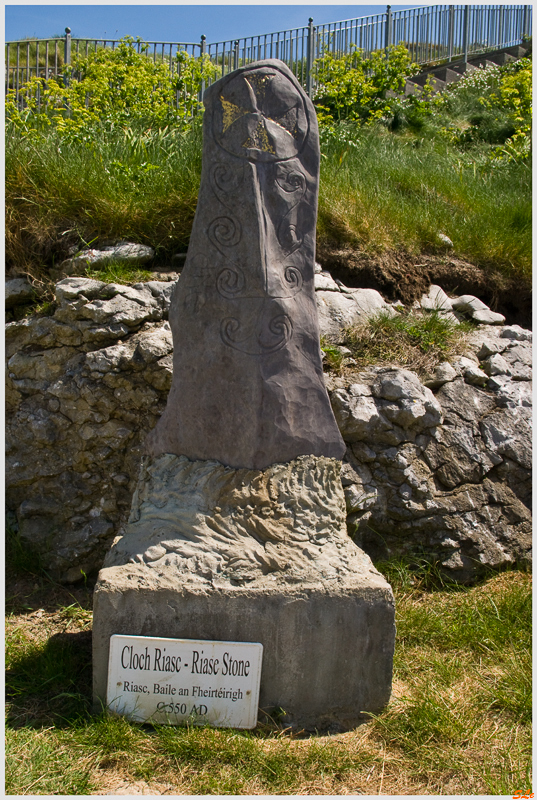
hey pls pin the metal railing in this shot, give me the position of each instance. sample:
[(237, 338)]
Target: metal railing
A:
[(432, 34), (47, 58)]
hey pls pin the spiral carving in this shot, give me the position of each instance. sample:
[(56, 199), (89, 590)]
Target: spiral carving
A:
[(226, 179), (290, 179), (230, 282), (282, 327), (225, 232), (279, 327), (294, 278), (228, 330)]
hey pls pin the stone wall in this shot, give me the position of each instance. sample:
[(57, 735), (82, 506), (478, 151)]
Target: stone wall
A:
[(84, 388), (440, 471)]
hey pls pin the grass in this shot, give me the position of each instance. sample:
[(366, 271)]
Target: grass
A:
[(120, 273), (413, 341), (380, 191), (140, 186), (382, 187), (459, 721)]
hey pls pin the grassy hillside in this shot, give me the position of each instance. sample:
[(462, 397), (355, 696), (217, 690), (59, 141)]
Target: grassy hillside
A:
[(395, 173)]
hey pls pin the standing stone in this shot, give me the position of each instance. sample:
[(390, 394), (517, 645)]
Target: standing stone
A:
[(237, 528), (248, 385)]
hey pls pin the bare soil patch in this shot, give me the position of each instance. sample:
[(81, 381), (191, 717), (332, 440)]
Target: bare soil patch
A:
[(400, 275)]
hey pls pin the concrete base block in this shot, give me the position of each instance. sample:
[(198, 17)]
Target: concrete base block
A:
[(327, 649)]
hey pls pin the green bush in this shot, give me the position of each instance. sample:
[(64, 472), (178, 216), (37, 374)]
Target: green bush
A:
[(353, 87), (117, 88), (491, 106)]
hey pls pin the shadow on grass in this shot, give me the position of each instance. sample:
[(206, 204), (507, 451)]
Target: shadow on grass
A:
[(49, 683)]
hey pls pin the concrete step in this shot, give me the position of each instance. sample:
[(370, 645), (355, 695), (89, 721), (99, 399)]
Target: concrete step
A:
[(461, 68), (501, 58), (519, 50), (482, 63), (446, 74), (412, 88), (436, 84)]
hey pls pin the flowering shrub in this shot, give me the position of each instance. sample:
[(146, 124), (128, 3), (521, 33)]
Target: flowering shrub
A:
[(497, 104), (117, 87), (353, 87)]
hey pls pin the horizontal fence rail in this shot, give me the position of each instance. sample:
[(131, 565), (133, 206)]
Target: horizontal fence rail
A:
[(432, 34)]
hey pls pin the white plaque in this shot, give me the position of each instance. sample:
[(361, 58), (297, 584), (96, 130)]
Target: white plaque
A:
[(174, 681)]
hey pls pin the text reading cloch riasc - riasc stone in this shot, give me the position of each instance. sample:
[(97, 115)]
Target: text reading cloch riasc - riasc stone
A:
[(155, 679)]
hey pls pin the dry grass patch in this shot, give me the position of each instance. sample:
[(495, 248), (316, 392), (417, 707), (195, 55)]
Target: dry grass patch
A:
[(458, 721), (416, 341)]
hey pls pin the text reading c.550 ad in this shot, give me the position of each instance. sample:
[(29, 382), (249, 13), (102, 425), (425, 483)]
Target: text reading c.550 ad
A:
[(225, 676)]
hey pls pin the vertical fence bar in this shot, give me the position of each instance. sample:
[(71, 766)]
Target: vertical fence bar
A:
[(236, 55), (465, 35), (17, 62), (67, 55), (525, 22), (202, 59), (310, 57), (37, 92), (388, 28)]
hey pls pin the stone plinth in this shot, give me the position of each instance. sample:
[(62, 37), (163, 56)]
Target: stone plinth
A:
[(327, 648), (215, 553)]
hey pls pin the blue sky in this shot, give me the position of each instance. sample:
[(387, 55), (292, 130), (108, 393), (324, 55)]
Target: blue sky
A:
[(173, 22)]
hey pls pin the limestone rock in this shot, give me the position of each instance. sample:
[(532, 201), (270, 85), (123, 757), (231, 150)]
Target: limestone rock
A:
[(124, 253), (18, 292), (324, 282), (80, 403), (477, 310), (443, 373), (496, 365), (517, 333), (445, 240), (349, 307), (72, 288), (435, 300), (459, 492), (247, 385), (390, 406)]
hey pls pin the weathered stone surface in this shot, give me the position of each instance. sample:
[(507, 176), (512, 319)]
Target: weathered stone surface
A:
[(517, 333), (496, 365), (338, 311), (325, 283), (446, 241), (458, 491), (477, 310), (443, 373), (71, 475), (248, 555), (214, 523), (247, 384), (125, 253), (18, 291), (435, 300), (79, 405), (389, 407)]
